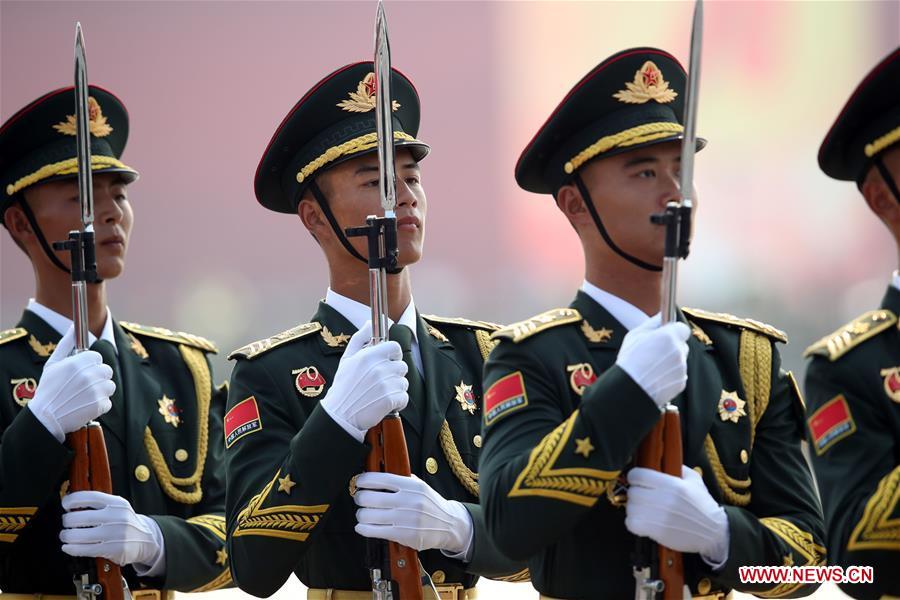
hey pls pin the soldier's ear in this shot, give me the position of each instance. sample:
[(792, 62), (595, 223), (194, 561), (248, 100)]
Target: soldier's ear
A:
[(880, 199), (311, 215), (571, 203), (17, 225)]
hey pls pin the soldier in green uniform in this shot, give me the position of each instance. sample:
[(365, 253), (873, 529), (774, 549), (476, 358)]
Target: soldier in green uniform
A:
[(301, 401), (571, 392), (853, 379), (150, 387)]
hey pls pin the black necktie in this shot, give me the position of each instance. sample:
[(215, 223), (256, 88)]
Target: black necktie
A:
[(114, 420), (403, 335), (106, 350)]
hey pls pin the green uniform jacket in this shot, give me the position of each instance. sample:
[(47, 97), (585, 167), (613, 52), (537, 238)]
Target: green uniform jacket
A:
[(853, 391), (562, 423), (289, 465), (172, 474)]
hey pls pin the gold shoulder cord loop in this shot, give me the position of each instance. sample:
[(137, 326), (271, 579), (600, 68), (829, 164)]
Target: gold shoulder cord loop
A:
[(196, 362), (466, 476)]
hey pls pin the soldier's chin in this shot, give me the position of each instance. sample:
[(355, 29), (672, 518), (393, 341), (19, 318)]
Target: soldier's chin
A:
[(409, 255), (110, 268)]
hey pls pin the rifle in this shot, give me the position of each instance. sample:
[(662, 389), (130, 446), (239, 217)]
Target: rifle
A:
[(660, 573), (395, 569), (98, 577)]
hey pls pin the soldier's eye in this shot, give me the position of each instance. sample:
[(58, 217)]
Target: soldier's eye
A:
[(647, 173)]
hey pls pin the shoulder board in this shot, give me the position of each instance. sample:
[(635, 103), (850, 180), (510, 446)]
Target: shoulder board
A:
[(851, 335), (179, 337), (727, 319), (463, 322), (259, 347), (12, 334), (527, 328)]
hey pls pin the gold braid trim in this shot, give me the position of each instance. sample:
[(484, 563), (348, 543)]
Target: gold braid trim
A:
[(14, 520), (290, 522), (523, 575), (883, 142), (577, 485), (629, 137), (876, 530), (196, 362), (726, 482), (222, 580), (466, 476), (358, 144), (755, 364), (63, 167), (802, 543), (485, 343), (215, 523)]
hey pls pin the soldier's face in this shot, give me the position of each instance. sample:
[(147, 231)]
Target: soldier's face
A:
[(57, 210), (352, 189), (628, 188)]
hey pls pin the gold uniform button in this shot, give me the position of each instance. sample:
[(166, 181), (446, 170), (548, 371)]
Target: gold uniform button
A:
[(703, 586), (438, 577), (431, 465), (477, 441), (744, 456), (142, 473), (181, 455)]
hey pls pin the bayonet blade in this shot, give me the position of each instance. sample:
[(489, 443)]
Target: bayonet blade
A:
[(83, 133), (384, 125), (689, 143)]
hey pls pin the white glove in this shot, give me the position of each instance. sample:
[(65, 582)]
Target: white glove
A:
[(655, 356), (407, 511), (109, 528), (72, 390), (678, 513), (370, 382)]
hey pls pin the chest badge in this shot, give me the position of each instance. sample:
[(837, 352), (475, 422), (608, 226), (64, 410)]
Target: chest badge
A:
[(466, 397), (731, 407), (23, 390), (169, 411), (581, 376), (892, 383), (309, 381)]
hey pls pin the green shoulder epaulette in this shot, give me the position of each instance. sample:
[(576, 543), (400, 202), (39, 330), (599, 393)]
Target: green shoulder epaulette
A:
[(179, 337), (12, 334), (463, 322), (851, 335), (751, 324), (527, 328), (254, 349)]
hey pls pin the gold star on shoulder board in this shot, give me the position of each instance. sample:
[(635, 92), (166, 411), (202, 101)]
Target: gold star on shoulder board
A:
[(583, 446), (285, 484), (221, 557), (169, 411), (334, 341), (596, 336)]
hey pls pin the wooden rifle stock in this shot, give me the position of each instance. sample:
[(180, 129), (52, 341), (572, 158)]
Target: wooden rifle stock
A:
[(90, 471), (389, 455), (661, 451)]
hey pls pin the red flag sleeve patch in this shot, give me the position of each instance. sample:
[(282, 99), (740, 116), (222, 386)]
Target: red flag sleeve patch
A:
[(242, 420), (506, 395), (831, 423)]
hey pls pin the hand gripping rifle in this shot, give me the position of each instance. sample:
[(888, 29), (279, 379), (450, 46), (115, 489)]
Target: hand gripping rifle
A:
[(394, 568), (96, 578), (659, 572)]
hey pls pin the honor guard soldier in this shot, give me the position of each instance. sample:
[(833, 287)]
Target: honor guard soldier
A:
[(853, 379), (570, 393), (150, 388), (301, 401)]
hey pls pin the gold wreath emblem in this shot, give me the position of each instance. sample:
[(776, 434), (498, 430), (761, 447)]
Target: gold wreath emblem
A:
[(648, 84), (363, 99), (97, 122)]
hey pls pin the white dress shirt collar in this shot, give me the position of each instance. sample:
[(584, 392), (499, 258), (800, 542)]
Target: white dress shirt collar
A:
[(61, 323), (895, 280), (622, 311)]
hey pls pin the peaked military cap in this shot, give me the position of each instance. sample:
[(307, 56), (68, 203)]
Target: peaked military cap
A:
[(332, 123), (632, 99), (37, 144), (868, 125)]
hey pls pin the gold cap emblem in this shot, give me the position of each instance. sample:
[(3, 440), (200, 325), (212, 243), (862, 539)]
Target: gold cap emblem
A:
[(363, 99), (648, 84), (97, 122)]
